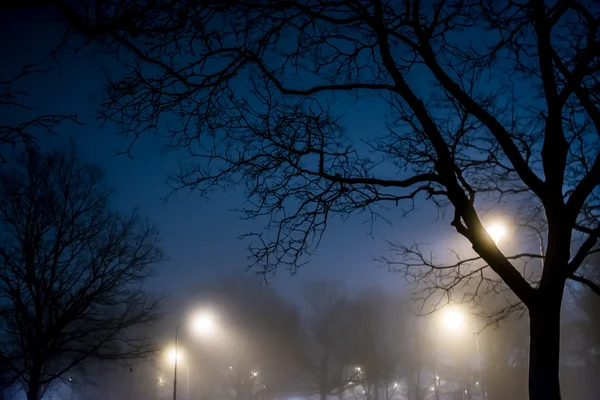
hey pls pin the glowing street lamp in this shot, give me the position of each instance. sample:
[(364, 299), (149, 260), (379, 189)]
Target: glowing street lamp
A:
[(202, 323), (497, 231), (454, 319), (174, 355)]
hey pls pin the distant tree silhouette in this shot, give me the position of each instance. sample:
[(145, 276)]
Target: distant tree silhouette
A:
[(379, 342), (72, 270), (330, 350), (504, 353), (259, 332), (505, 109)]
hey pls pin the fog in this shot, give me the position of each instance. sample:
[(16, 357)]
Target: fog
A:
[(338, 345)]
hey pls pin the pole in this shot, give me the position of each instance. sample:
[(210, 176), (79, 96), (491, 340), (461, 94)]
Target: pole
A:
[(176, 357)]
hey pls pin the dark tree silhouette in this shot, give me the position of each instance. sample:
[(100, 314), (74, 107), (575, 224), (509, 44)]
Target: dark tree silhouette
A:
[(72, 270), (506, 108)]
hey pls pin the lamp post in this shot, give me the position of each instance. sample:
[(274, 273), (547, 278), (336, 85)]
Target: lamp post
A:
[(201, 323), (454, 320), (175, 362)]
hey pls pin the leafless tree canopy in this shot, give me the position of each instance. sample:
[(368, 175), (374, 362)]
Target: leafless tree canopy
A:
[(509, 109), (72, 270)]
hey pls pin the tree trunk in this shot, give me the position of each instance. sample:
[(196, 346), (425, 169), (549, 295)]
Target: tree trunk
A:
[(544, 350), (33, 391)]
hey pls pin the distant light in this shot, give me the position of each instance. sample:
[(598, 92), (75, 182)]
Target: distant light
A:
[(254, 374), (432, 388), (357, 369), (395, 385), (364, 392), (465, 390), (230, 367), (477, 383), (437, 377), (70, 379), (161, 381)]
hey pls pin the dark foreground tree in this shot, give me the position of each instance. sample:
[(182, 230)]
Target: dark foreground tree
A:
[(72, 270), (488, 101)]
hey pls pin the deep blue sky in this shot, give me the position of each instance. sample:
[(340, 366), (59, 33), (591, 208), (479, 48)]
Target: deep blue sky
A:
[(199, 236)]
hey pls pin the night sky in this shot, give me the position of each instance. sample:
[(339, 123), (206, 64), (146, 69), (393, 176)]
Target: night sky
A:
[(200, 236)]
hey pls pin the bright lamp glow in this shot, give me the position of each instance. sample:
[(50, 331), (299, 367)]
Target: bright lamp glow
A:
[(453, 319), (173, 355), (497, 231), (203, 323)]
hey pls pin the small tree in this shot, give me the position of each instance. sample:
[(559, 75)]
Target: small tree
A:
[(72, 271)]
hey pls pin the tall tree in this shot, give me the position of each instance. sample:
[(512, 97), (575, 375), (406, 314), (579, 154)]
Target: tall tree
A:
[(328, 326), (72, 270), (509, 110)]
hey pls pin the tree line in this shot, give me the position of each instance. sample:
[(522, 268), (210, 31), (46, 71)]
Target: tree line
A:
[(342, 345)]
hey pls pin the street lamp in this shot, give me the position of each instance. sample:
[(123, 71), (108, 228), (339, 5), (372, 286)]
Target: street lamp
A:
[(175, 356), (455, 320), (202, 323)]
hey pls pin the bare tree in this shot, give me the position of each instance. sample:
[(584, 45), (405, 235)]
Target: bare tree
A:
[(380, 337), (330, 350), (509, 111), (505, 353), (72, 271)]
